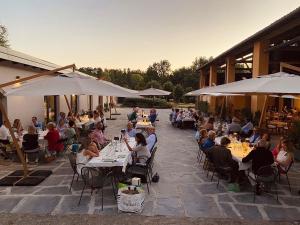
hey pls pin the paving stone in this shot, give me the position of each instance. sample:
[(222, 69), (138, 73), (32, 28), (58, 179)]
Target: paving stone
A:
[(168, 207), (210, 188), (53, 180), (69, 204), (53, 191), (224, 198), (166, 190), (23, 190), (200, 206), (248, 212), (7, 203), (259, 199), (148, 208), (63, 171), (108, 198), (107, 211), (279, 213), (37, 204), (227, 208), (291, 201)]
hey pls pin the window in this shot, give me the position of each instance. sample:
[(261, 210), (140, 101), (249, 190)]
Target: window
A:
[(51, 108)]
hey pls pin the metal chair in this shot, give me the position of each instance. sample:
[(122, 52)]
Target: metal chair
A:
[(95, 178), (144, 170), (72, 160), (285, 172), (265, 175)]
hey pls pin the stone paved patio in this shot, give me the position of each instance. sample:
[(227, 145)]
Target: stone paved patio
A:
[(183, 189)]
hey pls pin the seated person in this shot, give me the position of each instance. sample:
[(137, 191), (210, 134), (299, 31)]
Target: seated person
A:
[(97, 135), (179, 119), (201, 135), (277, 148), (91, 151), (222, 158), (247, 128), (96, 116), (103, 120), (209, 125), (4, 133), (70, 133), (61, 126), (264, 141), (151, 139), (140, 152), (53, 138), (133, 116), (130, 131), (17, 126), (209, 141), (91, 120), (152, 116), (36, 123), (255, 137), (234, 127), (30, 142), (174, 116), (285, 156), (62, 115), (4, 138)]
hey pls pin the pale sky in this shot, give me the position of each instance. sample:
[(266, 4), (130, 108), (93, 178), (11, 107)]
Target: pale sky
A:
[(134, 33)]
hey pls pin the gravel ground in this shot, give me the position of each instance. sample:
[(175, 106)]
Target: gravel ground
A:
[(26, 219)]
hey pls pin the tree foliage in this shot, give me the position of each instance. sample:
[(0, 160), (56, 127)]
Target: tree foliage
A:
[(158, 75), (3, 36), (178, 92)]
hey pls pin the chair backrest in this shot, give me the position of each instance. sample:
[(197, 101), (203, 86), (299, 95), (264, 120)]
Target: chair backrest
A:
[(92, 177), (289, 167), (266, 173), (72, 159), (150, 161)]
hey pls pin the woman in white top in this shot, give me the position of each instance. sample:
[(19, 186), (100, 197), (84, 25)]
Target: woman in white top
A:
[(284, 157), (142, 154)]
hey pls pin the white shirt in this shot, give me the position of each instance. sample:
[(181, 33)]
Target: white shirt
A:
[(98, 119), (151, 139), (4, 133)]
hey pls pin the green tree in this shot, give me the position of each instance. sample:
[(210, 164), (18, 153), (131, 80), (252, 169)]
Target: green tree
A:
[(136, 81), (159, 71), (178, 92), (153, 84), (200, 61), (168, 86), (3, 36)]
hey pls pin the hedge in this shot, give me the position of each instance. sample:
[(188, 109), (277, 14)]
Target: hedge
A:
[(146, 103)]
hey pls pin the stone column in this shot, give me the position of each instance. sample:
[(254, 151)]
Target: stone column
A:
[(260, 67), (212, 82)]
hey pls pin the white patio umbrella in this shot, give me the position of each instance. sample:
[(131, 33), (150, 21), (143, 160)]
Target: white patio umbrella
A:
[(195, 93), (154, 92), (69, 84), (277, 83)]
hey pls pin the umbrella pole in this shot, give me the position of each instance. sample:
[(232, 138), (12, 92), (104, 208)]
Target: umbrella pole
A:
[(15, 141), (262, 116), (222, 107), (68, 103)]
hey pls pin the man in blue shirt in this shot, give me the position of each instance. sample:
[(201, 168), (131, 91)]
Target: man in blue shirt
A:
[(36, 123), (210, 140), (131, 132), (247, 128)]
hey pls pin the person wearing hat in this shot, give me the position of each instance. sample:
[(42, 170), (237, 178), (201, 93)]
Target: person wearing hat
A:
[(234, 127)]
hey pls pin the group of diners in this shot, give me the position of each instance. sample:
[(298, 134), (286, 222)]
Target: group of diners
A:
[(178, 117), (58, 136), (260, 153), (139, 114)]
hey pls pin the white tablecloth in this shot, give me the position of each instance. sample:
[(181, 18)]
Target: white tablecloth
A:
[(113, 155), (143, 125)]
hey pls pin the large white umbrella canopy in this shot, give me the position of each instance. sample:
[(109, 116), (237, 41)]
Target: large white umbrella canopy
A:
[(195, 93), (277, 83), (154, 92), (70, 84)]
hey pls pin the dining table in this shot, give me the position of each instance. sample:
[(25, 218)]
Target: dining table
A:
[(115, 154)]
